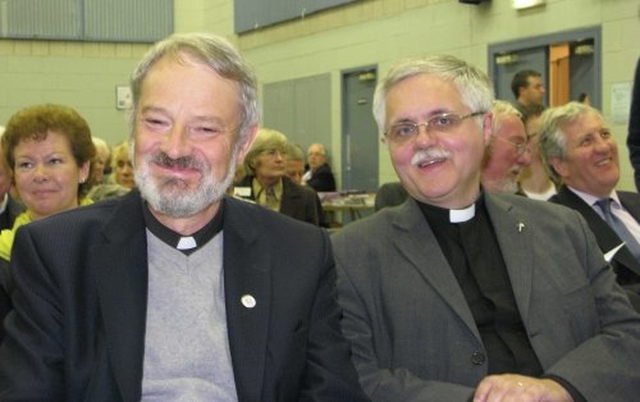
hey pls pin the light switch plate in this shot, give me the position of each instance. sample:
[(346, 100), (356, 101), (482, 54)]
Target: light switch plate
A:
[(123, 97)]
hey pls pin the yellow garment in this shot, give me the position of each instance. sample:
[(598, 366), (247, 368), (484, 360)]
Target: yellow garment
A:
[(269, 198), (7, 235)]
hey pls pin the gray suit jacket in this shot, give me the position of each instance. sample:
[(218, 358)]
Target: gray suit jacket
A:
[(413, 335)]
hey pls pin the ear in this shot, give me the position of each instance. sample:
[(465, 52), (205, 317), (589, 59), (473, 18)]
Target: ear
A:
[(244, 148), (559, 166), (487, 128), (85, 169)]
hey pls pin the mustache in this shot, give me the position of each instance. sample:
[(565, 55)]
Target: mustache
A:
[(184, 162), (429, 154)]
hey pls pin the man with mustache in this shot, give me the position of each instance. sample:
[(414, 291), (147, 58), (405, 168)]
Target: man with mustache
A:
[(176, 291), (459, 294), (580, 151)]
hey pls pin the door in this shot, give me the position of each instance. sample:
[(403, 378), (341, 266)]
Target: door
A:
[(360, 137)]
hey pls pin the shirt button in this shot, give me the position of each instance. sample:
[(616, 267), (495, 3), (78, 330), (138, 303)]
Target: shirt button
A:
[(477, 358)]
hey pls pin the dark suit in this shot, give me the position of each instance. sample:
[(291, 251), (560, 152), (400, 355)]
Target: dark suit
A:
[(322, 179), (77, 331), (633, 136), (413, 334), (297, 201), (11, 211), (624, 263), (7, 217)]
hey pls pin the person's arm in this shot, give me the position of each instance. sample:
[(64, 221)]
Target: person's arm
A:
[(383, 384), (330, 375), (604, 366), (32, 354)]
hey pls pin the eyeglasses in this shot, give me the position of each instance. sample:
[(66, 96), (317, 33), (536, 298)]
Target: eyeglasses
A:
[(521, 147), (273, 152), (441, 122)]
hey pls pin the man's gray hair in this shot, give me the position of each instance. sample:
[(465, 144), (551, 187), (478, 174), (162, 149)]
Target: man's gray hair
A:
[(474, 86), (552, 142), (216, 53)]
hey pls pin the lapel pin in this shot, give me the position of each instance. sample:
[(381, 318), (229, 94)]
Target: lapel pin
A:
[(248, 301), (520, 227)]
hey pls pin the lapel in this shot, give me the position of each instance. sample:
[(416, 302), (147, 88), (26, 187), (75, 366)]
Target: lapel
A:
[(120, 265), (606, 237), (415, 240), (514, 231), (247, 272)]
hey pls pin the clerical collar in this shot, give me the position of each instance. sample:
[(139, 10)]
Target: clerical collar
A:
[(444, 215), (186, 244)]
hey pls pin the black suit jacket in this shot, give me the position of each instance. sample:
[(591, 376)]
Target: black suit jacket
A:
[(12, 210), (633, 136), (322, 179), (624, 264), (77, 330)]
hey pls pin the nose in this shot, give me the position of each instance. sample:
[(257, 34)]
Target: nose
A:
[(41, 173), (423, 140), (176, 142), (524, 159)]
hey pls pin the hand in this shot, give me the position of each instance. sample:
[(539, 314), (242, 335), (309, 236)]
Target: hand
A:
[(519, 388)]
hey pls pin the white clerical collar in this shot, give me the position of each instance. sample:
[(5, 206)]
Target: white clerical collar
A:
[(187, 243), (462, 215)]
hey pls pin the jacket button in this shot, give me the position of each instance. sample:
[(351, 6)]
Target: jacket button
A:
[(477, 358)]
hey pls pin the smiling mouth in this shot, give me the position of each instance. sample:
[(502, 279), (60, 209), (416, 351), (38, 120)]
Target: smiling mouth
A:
[(604, 162), (430, 162)]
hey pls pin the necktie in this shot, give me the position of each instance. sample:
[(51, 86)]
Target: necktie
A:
[(272, 201), (618, 226)]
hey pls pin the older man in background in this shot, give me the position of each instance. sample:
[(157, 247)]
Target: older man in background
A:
[(319, 176), (579, 149), (507, 153)]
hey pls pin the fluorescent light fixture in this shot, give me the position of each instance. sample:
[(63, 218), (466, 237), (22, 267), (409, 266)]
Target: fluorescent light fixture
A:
[(522, 4)]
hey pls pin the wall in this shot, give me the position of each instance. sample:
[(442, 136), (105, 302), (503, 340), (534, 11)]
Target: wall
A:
[(365, 33), (384, 31)]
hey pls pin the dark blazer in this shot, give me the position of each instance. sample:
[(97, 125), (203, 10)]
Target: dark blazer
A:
[(77, 330), (414, 337), (298, 202), (322, 179), (633, 136), (8, 216), (624, 263)]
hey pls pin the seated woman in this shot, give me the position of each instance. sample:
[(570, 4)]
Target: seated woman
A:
[(49, 150), (267, 184)]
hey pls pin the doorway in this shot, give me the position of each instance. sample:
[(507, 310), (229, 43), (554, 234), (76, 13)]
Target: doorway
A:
[(569, 62), (360, 137)]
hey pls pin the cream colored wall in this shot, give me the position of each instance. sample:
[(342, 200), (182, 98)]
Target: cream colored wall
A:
[(84, 75), (384, 31), (81, 75)]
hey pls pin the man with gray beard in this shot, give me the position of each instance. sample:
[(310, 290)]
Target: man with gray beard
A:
[(507, 152), (176, 292), (459, 294)]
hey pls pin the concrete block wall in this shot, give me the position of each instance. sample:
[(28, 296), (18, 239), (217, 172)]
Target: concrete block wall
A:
[(368, 32)]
